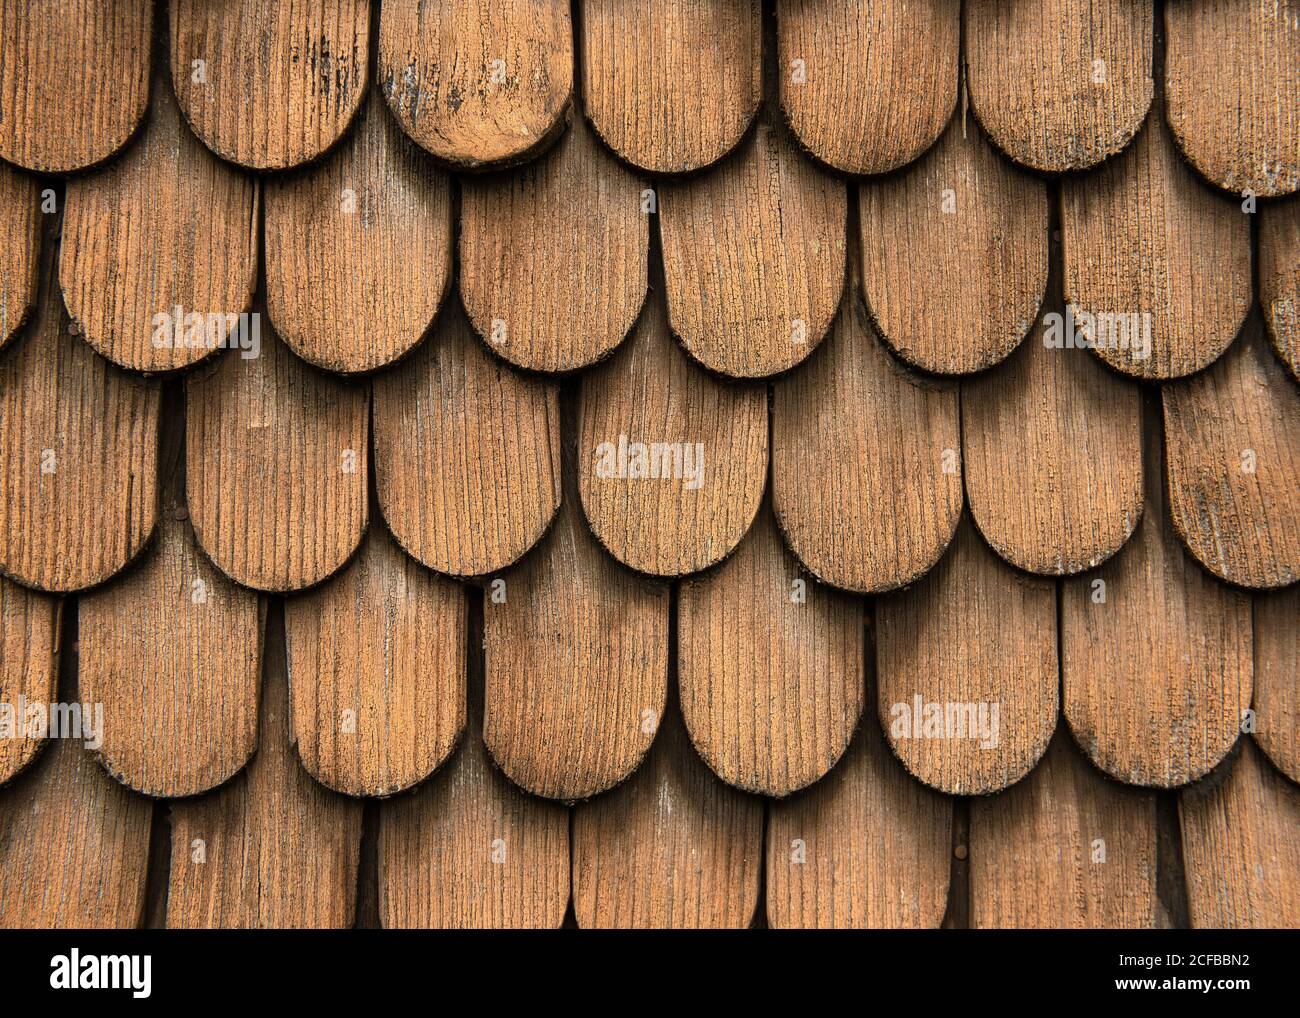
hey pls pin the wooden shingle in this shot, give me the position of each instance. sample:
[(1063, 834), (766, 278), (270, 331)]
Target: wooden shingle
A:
[(167, 226), (867, 87), (75, 83), (20, 240), (1148, 246), (770, 667), (553, 257), (671, 461), (1232, 442), (478, 84), (1063, 849), (954, 254), (976, 634), (358, 248), (1277, 666), (1059, 84), (377, 667), (673, 848), (672, 85), (577, 665), (1232, 74), (467, 453), (753, 258), (29, 658), (866, 467), (269, 85), (1279, 278), (276, 470)]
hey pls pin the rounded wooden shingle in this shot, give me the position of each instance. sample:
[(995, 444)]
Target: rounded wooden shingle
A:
[(867, 847), (20, 241), (1279, 278), (469, 850), (577, 665), (75, 81), (1064, 849), (1232, 83), (276, 466), (866, 462), (954, 254), (166, 226), (753, 258), (358, 248), (78, 457), (272, 849), (867, 87), (377, 671), (173, 651), (1053, 455), (671, 461), (672, 85), (553, 256), (674, 848), (74, 846), (481, 84), (967, 670), (1240, 850), (269, 85), (29, 658), (467, 453), (1277, 666), (1154, 256), (1232, 437), (1059, 84), (770, 667), (1156, 666)]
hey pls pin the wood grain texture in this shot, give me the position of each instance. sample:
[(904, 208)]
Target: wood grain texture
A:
[(1053, 454), (1232, 80), (20, 241), (577, 666), (478, 84), (29, 659), (672, 85), (1279, 278), (769, 667), (865, 848), (674, 848), (859, 450), (76, 81), (688, 507), (467, 453), (1063, 849), (78, 456), (1232, 437), (377, 668), (754, 258), (74, 846), (1240, 850), (954, 254), (166, 225), (1156, 666), (276, 467), (1142, 236), (867, 87), (1059, 84), (273, 849), (358, 248), (278, 83), (173, 651), (971, 638), (469, 850), (1277, 678), (553, 256)]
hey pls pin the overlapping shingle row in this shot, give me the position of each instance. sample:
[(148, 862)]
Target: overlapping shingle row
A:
[(739, 388)]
